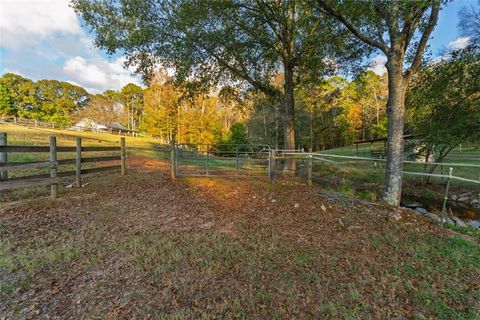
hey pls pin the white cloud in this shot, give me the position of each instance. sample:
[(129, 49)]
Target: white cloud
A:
[(98, 73), (459, 43), (44, 40), (24, 20), (377, 64)]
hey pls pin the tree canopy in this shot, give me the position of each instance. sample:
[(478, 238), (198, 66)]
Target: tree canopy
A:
[(444, 102), (400, 30)]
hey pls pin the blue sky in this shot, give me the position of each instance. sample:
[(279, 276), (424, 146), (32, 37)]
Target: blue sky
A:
[(43, 39)]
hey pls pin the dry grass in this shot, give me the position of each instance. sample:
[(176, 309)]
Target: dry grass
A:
[(144, 246)]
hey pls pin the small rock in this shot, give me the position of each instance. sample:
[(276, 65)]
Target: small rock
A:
[(464, 199), (433, 216), (458, 222), (475, 203), (475, 224), (296, 205), (421, 210), (396, 216), (454, 197), (323, 208), (273, 200)]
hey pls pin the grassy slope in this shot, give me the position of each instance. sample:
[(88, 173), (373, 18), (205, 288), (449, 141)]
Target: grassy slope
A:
[(144, 246)]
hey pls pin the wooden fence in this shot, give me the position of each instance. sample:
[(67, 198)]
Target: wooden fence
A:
[(52, 179), (33, 123)]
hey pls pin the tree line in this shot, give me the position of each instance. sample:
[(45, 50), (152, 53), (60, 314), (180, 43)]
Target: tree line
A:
[(334, 112), (63, 103), (247, 42), (279, 62)]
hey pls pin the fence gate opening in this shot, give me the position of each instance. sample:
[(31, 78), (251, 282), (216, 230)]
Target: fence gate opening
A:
[(221, 160)]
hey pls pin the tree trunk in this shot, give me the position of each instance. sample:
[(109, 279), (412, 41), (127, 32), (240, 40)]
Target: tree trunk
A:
[(289, 103), (396, 115), (311, 129)]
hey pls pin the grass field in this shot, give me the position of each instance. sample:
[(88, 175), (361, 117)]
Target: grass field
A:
[(144, 246)]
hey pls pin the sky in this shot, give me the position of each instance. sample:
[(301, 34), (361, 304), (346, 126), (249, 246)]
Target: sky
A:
[(44, 39)]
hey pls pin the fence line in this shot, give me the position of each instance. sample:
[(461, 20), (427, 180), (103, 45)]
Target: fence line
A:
[(467, 165), (52, 178), (51, 125)]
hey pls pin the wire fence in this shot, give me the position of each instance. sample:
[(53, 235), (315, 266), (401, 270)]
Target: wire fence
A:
[(424, 184)]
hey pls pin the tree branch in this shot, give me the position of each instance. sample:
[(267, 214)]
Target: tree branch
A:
[(328, 9), (423, 40)]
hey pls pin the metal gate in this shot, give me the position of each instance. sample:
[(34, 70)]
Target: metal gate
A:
[(249, 160)]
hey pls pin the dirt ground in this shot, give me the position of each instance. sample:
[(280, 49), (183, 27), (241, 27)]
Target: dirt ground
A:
[(144, 246)]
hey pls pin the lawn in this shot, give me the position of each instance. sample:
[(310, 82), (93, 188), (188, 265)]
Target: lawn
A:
[(144, 246)]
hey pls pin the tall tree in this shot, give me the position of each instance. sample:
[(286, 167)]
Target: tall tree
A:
[(161, 103), (446, 92), (21, 91), (400, 29), (7, 107), (132, 98), (55, 101), (246, 42)]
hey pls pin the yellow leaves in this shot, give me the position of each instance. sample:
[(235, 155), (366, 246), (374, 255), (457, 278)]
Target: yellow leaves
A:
[(354, 116)]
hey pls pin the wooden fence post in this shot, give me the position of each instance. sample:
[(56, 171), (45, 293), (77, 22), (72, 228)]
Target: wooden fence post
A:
[(123, 170), (173, 170), (310, 168), (53, 166), (78, 164), (236, 156), (271, 160), (3, 155), (206, 162)]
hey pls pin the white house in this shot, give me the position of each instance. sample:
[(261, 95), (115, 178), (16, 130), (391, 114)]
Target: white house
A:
[(87, 124)]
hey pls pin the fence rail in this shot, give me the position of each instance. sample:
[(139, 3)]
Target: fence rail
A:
[(50, 125), (52, 178)]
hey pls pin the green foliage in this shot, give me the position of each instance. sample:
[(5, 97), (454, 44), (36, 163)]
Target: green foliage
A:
[(238, 134), (49, 100), (6, 102), (338, 112), (380, 130), (444, 102)]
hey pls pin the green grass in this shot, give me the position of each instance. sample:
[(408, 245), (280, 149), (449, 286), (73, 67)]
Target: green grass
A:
[(262, 268), (435, 260), (464, 230)]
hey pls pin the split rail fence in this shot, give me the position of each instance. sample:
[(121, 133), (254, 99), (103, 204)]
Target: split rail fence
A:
[(52, 178)]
